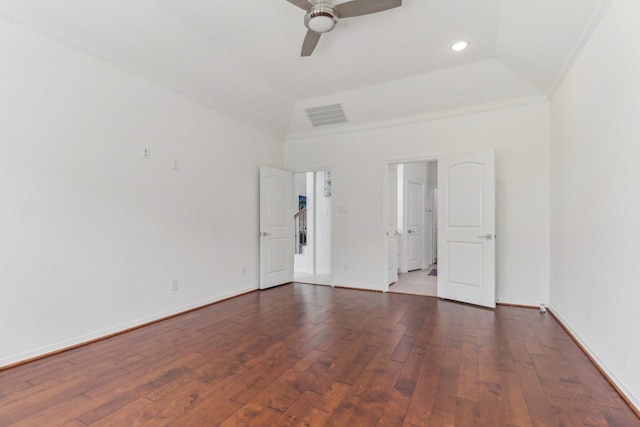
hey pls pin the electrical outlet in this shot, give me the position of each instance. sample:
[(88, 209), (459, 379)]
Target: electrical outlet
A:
[(146, 153), (174, 285)]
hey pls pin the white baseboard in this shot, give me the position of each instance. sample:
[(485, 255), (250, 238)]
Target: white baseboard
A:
[(625, 393), (84, 339), (517, 302)]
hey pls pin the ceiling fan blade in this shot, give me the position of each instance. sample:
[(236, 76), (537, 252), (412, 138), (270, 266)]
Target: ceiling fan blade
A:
[(302, 4), (310, 42), (364, 7)]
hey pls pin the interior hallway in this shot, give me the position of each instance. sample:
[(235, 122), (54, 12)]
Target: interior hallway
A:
[(311, 278), (417, 282)]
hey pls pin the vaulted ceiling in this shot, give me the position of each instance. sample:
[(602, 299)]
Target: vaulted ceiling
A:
[(243, 56)]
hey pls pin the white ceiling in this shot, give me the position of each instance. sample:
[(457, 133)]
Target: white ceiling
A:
[(243, 56)]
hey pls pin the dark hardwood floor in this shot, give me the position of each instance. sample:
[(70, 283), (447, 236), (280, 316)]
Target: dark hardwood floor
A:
[(314, 356)]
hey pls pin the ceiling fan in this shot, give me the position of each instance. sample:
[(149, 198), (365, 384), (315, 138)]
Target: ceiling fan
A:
[(321, 16)]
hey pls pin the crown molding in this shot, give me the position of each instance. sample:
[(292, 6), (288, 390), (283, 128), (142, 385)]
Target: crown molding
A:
[(56, 35), (578, 45), (420, 118)]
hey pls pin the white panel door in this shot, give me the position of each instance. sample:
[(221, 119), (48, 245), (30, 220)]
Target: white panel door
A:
[(277, 209), (392, 227), (414, 226), (466, 228)]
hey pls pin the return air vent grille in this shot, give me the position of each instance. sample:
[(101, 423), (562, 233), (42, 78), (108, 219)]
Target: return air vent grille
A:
[(326, 115)]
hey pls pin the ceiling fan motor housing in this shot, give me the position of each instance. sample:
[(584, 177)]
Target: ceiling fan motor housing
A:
[(321, 18)]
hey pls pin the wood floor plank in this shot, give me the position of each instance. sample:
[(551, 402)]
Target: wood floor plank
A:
[(74, 423), (487, 360), (340, 417), (468, 413), (408, 377), (356, 366), (443, 411), (296, 412), (113, 399), (176, 405), (345, 363), (313, 356), (538, 407), (133, 414), (319, 414), (491, 410), (394, 400), (402, 350), (422, 400), (468, 386), (514, 403), (214, 407), (65, 411)]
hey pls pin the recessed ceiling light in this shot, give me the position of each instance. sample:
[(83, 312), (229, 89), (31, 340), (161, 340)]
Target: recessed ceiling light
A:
[(458, 46)]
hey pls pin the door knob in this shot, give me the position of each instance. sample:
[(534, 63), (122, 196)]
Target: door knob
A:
[(264, 234)]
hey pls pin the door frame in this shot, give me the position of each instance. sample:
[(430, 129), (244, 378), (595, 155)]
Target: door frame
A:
[(392, 229), (331, 218), (385, 215), (432, 195)]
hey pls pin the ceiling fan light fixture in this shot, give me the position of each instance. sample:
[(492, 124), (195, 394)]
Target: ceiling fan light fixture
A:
[(459, 45), (321, 18), (321, 23)]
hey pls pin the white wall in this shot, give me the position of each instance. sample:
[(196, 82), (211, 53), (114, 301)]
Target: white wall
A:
[(595, 203), (520, 137), (91, 235), (299, 185)]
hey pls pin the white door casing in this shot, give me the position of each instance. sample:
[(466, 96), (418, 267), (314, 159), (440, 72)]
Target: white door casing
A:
[(434, 225), (392, 228), (414, 226), (276, 227), (466, 228)]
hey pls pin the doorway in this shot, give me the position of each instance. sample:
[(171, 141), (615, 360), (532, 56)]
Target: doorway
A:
[(414, 202), (312, 251), (466, 225)]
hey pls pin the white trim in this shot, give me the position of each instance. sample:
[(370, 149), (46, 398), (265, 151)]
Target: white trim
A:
[(403, 160), (518, 302), (420, 118), (59, 36), (68, 344), (622, 388), (579, 44), (386, 163)]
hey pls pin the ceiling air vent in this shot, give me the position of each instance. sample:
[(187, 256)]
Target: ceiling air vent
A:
[(326, 115)]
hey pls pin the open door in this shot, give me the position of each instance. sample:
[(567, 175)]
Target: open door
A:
[(415, 218), (392, 227), (276, 227), (466, 231)]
